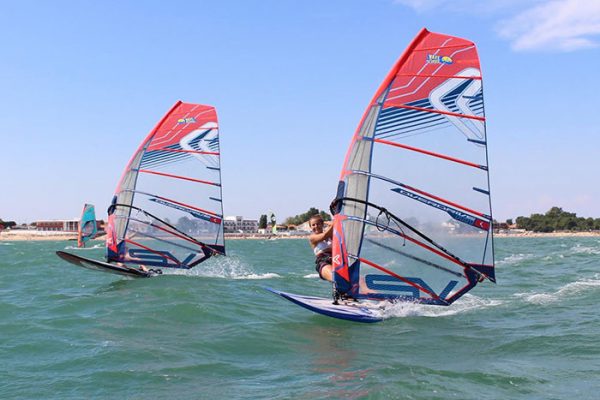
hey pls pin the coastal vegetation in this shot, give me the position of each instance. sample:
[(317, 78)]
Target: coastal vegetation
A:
[(7, 224), (302, 218), (262, 222), (556, 219)]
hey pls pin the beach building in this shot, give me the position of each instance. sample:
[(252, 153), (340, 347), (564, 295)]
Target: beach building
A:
[(63, 225), (235, 224), (304, 227)]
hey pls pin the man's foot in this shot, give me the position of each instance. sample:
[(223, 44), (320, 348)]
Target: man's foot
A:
[(337, 296)]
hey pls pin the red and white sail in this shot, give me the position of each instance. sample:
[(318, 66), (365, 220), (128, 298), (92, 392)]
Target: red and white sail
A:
[(167, 210), (414, 218)]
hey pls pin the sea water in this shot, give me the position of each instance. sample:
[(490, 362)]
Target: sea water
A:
[(215, 333)]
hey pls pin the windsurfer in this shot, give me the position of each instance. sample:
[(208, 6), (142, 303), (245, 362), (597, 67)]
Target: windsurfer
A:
[(320, 241)]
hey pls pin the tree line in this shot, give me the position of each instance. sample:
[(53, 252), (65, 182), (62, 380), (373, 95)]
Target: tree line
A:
[(7, 224), (302, 218), (556, 219)]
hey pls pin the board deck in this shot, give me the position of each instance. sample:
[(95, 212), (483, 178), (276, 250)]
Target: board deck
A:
[(97, 265), (349, 310)]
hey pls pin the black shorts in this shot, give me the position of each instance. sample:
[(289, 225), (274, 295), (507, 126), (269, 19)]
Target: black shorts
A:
[(321, 261)]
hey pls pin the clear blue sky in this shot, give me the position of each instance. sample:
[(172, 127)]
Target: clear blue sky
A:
[(82, 83)]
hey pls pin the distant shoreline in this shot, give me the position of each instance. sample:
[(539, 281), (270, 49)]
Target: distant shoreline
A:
[(549, 234), (17, 236), (20, 236)]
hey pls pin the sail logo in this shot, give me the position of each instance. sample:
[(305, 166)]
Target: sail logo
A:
[(436, 59), (454, 213), (186, 120), (337, 260), (160, 258)]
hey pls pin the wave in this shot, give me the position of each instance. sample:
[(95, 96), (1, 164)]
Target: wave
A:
[(514, 259), (268, 275), (311, 276), (226, 268), (569, 290), (579, 249)]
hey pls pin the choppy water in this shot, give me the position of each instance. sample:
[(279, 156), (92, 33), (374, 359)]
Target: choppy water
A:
[(215, 333)]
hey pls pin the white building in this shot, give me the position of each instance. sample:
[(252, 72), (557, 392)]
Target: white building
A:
[(235, 224)]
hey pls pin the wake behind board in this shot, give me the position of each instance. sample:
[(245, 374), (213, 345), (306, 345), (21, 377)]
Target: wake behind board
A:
[(348, 310), (103, 266)]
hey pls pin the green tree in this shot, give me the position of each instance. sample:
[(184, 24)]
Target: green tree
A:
[(262, 222), (302, 218), (557, 219), (7, 224)]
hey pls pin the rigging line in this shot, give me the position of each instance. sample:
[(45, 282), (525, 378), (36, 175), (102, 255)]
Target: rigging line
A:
[(199, 243), (162, 229), (444, 252), (145, 235), (442, 76), (429, 110), (429, 153), (385, 228), (410, 239), (212, 153), (431, 264), (153, 251), (173, 201), (177, 177), (413, 284), (383, 178)]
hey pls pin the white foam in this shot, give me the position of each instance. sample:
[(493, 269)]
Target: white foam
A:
[(311, 276), (579, 249), (466, 304), (268, 275), (568, 290), (514, 259), (222, 267), (96, 246)]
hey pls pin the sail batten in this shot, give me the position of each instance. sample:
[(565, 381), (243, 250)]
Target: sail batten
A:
[(421, 242), (179, 203), (178, 177), (430, 153)]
